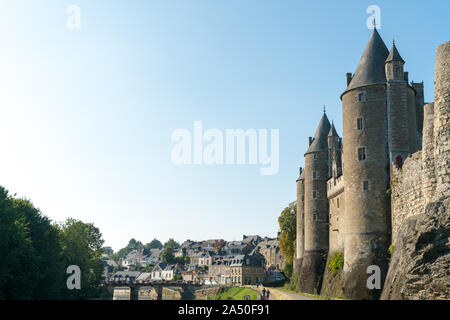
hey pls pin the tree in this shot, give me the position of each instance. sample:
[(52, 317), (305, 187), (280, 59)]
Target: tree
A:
[(82, 246), (167, 255), (17, 269), (154, 244), (172, 244), (47, 257), (288, 228), (134, 245), (108, 251)]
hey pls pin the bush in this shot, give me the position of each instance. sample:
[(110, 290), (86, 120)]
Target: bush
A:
[(336, 263), (288, 270), (391, 249)]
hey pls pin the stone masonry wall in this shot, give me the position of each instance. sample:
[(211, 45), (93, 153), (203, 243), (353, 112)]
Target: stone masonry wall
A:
[(406, 192)]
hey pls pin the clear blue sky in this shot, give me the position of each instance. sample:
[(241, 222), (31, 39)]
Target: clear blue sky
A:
[(87, 115)]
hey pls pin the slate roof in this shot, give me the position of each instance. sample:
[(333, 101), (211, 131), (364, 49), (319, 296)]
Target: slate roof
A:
[(394, 55), (320, 140), (370, 69), (332, 132)]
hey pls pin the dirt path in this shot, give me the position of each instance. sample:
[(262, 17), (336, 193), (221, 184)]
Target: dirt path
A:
[(276, 294)]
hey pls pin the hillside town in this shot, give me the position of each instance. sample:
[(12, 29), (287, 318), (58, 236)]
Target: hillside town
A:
[(252, 261)]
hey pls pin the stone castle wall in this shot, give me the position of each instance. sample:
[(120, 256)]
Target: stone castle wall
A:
[(406, 192)]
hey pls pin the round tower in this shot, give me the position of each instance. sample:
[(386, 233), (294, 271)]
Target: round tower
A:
[(398, 113), (366, 170), (315, 210), (300, 221)]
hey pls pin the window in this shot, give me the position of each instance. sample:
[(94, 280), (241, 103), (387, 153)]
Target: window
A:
[(337, 202), (315, 156), (361, 154), (315, 216), (303, 198), (366, 185), (314, 194), (361, 96), (314, 175), (359, 123)]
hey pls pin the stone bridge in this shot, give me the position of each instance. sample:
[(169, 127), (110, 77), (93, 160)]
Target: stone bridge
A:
[(155, 290)]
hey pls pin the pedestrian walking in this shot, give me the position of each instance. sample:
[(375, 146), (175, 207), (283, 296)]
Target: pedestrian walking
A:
[(268, 293), (264, 293)]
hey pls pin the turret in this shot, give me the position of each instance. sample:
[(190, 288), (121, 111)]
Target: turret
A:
[(394, 65), (316, 214), (334, 154), (401, 131)]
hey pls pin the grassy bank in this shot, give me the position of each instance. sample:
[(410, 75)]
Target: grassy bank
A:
[(237, 293)]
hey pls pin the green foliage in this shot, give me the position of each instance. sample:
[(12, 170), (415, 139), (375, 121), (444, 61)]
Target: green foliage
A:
[(177, 277), (391, 249), (293, 283), (288, 270), (237, 293), (167, 255), (171, 244), (82, 246), (336, 263), (36, 253), (108, 251), (154, 244), (288, 228)]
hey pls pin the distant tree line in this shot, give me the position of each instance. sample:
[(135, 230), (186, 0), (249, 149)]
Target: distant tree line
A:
[(167, 253), (35, 254)]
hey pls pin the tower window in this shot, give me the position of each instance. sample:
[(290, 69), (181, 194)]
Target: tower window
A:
[(366, 185), (361, 154), (337, 202), (314, 194), (314, 175), (303, 198), (315, 156), (315, 216), (359, 123), (361, 96)]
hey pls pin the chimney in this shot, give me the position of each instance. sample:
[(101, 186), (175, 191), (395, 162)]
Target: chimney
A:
[(349, 77), (310, 140)]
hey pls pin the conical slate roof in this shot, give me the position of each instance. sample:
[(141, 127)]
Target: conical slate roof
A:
[(394, 55), (332, 132), (370, 69), (320, 141)]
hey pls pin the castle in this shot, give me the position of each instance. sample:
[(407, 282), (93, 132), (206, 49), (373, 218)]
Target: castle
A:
[(344, 191)]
